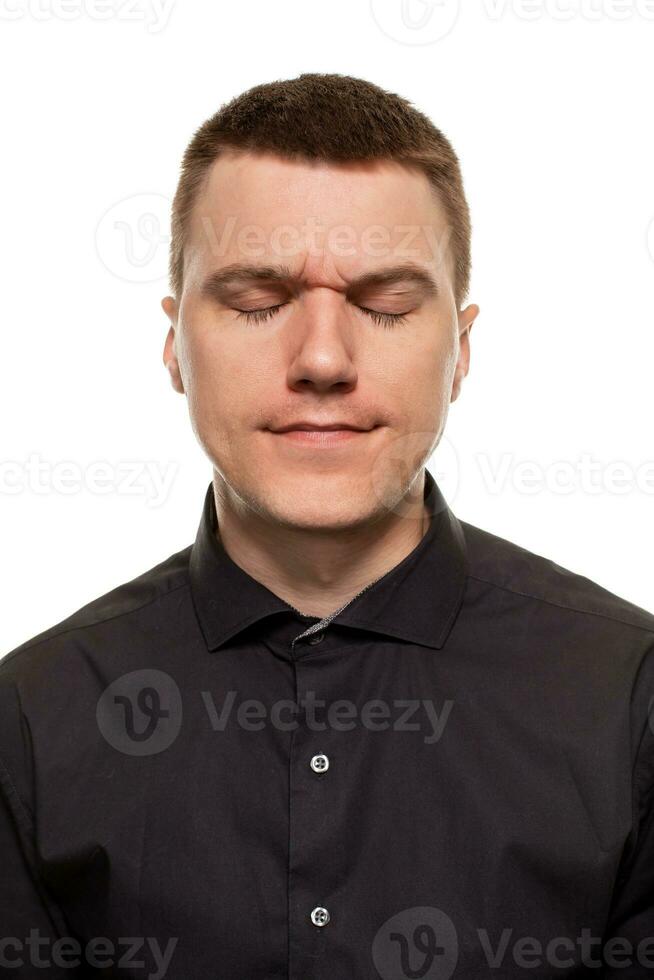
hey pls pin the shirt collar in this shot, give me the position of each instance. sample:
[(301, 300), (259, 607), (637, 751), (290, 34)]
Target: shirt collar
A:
[(416, 600)]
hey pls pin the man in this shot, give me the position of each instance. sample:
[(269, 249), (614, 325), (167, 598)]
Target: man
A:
[(343, 734)]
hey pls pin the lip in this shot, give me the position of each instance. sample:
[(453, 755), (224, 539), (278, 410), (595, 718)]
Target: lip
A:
[(323, 437), (316, 426)]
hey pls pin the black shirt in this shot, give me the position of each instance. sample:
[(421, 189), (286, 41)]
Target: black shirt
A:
[(453, 775)]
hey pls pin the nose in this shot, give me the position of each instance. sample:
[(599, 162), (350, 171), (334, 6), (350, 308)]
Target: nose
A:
[(322, 338)]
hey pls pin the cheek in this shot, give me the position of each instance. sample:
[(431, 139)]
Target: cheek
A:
[(417, 379), (229, 387)]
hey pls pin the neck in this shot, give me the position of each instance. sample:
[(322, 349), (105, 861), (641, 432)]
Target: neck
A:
[(317, 570)]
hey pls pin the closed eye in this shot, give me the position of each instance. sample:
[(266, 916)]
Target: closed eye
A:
[(258, 316), (384, 319)]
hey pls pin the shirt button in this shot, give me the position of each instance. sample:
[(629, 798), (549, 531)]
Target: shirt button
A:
[(320, 916), (320, 763), (316, 638)]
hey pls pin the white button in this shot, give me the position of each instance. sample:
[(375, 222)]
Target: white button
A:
[(320, 763), (316, 638), (320, 916)]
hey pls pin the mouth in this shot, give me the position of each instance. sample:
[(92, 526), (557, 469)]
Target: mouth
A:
[(321, 437)]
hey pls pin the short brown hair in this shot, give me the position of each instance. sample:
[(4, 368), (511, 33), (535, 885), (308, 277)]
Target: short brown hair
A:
[(335, 118)]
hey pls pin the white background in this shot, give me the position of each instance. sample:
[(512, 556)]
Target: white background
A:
[(548, 106)]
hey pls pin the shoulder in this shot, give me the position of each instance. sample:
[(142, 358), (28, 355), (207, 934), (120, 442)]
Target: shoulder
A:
[(121, 606), (55, 674), (496, 563)]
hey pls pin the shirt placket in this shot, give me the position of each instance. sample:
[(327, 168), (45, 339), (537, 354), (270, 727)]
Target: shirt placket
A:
[(310, 912)]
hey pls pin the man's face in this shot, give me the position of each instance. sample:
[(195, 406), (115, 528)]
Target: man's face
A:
[(314, 351)]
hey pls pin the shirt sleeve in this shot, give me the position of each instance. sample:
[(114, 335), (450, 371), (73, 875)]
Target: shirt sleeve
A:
[(34, 941), (629, 939)]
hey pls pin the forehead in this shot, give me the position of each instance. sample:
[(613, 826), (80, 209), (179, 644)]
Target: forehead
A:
[(260, 207)]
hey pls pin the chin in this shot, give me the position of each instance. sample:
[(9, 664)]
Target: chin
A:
[(325, 510), (336, 521)]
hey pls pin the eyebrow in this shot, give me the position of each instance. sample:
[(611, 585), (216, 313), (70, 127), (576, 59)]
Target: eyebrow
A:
[(219, 281)]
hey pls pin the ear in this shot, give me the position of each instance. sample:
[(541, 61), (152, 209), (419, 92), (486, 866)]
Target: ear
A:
[(466, 318), (169, 306)]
